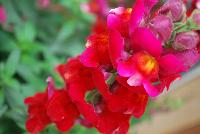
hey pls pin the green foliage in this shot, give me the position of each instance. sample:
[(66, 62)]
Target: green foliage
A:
[(32, 43)]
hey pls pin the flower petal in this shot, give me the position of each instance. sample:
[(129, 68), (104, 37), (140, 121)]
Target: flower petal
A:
[(89, 57), (170, 64), (140, 9), (125, 69), (150, 89), (135, 80), (144, 40), (116, 46)]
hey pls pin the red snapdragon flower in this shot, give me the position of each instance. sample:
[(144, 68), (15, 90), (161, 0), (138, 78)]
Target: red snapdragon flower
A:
[(96, 52), (38, 118), (121, 97), (52, 106), (79, 83)]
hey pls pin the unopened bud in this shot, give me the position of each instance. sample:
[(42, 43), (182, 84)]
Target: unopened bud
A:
[(196, 17), (163, 26), (175, 9), (186, 40)]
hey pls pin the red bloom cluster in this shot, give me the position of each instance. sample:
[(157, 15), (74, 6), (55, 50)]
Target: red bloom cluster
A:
[(138, 54)]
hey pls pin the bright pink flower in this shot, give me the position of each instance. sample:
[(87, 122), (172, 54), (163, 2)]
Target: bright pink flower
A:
[(146, 63), (3, 16)]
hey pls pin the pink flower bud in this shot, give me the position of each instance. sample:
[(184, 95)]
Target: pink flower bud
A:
[(186, 40), (189, 57), (163, 26), (175, 9), (3, 16), (196, 17)]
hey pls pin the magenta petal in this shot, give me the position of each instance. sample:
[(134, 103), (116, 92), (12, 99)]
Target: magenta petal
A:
[(170, 64), (125, 69), (144, 40), (140, 9), (89, 58), (113, 20), (116, 46), (138, 12), (150, 89)]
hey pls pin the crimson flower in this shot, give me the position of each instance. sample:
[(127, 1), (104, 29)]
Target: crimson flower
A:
[(79, 81), (38, 118), (96, 52), (52, 106)]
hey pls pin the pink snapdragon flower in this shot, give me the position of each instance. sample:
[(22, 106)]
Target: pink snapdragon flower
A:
[(146, 65)]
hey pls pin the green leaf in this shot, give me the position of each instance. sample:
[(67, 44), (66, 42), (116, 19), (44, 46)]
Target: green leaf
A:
[(3, 109), (12, 62), (25, 32), (2, 98)]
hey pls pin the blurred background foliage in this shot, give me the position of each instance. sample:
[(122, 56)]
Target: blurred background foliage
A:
[(33, 41)]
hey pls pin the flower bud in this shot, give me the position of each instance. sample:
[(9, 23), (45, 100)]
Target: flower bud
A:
[(196, 17), (3, 16), (163, 26), (186, 40), (175, 9), (189, 57)]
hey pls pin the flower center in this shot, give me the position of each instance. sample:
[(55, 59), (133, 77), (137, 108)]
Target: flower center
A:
[(146, 63)]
